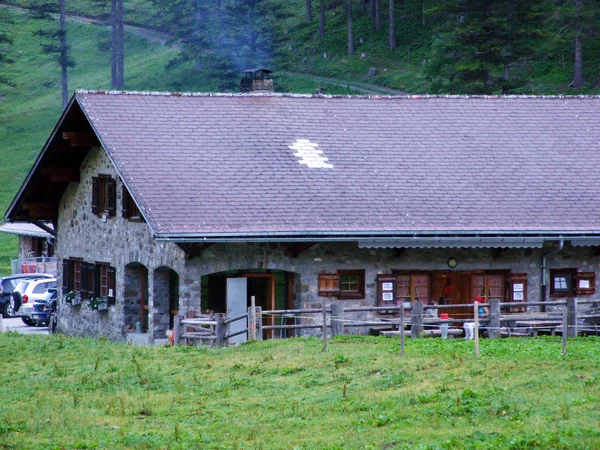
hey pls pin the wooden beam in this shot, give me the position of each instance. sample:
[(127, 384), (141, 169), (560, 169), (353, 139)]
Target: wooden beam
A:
[(298, 247), (39, 209), (43, 226), (193, 250), (62, 174), (81, 138)]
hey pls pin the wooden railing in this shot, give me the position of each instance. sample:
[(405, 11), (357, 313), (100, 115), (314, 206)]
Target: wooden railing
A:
[(335, 319)]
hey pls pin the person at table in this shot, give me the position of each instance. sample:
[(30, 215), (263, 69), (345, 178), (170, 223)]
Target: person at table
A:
[(482, 312), (432, 313)]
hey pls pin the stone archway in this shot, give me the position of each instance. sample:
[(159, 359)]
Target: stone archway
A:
[(165, 301), (135, 304)]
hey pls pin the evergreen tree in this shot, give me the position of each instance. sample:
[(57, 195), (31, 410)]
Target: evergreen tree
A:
[(54, 41), (5, 44), (484, 41)]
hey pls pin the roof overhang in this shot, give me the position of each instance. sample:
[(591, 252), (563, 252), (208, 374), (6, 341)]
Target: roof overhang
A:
[(26, 229), (372, 240)]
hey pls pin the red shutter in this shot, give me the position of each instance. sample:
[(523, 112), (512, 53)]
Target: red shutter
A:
[(517, 290), (95, 195), (585, 283), (112, 196), (329, 285)]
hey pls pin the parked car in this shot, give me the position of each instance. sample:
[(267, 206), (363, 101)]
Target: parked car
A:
[(25, 293), (8, 284), (44, 307)]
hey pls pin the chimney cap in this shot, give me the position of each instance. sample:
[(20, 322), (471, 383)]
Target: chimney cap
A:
[(258, 70)]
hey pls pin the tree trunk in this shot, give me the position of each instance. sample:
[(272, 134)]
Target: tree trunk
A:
[(508, 44), (349, 20), (578, 79), (64, 57), (363, 6), (113, 44), (372, 9), (392, 27), (377, 15), (322, 19), (308, 4), (120, 46)]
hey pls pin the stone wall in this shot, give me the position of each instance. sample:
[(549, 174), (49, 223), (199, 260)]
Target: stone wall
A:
[(129, 245)]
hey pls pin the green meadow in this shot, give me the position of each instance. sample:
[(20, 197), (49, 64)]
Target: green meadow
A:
[(60, 392)]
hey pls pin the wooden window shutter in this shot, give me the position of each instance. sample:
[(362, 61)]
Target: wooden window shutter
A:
[(84, 281), (111, 275), (97, 269), (125, 202), (517, 290), (329, 285), (585, 283), (111, 192), (66, 276), (95, 195)]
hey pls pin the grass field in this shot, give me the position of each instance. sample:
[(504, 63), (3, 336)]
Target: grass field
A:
[(60, 392)]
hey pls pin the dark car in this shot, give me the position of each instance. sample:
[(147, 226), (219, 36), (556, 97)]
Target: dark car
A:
[(44, 307), (8, 284)]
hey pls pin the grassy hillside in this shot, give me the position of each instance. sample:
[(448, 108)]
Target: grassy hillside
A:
[(520, 394)]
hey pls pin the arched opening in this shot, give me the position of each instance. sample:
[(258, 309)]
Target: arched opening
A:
[(230, 292), (165, 297), (135, 305)]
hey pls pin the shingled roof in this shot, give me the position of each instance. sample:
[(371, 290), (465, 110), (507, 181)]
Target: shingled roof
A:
[(247, 165)]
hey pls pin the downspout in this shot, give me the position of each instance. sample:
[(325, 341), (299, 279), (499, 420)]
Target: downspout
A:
[(561, 244)]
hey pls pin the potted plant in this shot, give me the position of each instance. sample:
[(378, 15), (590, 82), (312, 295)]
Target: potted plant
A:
[(98, 304), (71, 298)]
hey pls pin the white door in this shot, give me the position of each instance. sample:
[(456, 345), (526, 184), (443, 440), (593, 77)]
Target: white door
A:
[(237, 304)]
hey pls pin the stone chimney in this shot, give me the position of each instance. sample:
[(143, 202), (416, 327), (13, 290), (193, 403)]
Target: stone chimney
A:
[(256, 80)]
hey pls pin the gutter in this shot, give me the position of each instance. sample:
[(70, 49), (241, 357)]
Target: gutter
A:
[(543, 290)]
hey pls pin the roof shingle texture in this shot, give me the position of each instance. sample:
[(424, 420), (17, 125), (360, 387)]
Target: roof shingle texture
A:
[(208, 165)]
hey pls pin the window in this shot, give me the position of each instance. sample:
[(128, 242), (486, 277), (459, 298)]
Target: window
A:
[(105, 280), (352, 284), (562, 282), (413, 287), (104, 195), (488, 286), (130, 209), (72, 275)]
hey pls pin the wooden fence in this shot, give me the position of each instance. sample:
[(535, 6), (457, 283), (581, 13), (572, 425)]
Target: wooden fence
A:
[(415, 322)]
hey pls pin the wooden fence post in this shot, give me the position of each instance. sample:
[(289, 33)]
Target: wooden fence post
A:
[(325, 338), (416, 329), (177, 329), (337, 319), (476, 327), (259, 323), (220, 330), (564, 332), (494, 323), (402, 328), (252, 319), (572, 317)]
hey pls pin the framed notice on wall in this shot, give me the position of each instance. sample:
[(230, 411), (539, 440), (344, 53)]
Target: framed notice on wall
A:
[(386, 289), (518, 296)]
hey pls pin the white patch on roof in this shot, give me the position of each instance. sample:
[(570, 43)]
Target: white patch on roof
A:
[(308, 154)]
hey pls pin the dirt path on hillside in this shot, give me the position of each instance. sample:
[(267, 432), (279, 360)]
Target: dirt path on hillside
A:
[(166, 39)]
